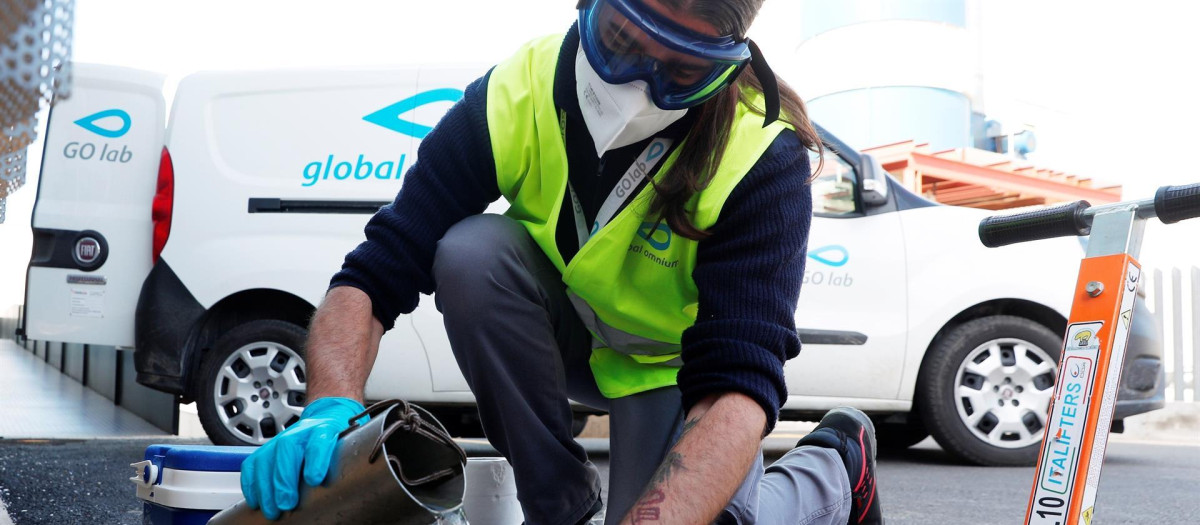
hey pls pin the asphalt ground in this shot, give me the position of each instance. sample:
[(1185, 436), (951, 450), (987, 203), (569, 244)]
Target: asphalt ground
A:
[(1142, 483), (72, 482), (86, 482)]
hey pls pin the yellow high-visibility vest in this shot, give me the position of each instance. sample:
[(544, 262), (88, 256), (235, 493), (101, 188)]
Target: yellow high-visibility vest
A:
[(631, 282)]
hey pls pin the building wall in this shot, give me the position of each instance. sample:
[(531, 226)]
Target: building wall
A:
[(101, 374), (104, 369), (54, 355), (74, 361)]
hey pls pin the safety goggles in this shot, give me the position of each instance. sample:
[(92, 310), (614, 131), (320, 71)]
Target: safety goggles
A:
[(625, 40)]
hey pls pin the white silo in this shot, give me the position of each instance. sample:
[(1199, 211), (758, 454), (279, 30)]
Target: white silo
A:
[(881, 71)]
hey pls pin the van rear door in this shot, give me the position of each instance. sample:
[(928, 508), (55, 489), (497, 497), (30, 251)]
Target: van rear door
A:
[(91, 222)]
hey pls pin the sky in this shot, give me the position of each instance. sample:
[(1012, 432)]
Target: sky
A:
[(1110, 85)]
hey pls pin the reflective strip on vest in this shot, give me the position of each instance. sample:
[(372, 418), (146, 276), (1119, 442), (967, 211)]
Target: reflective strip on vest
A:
[(607, 336)]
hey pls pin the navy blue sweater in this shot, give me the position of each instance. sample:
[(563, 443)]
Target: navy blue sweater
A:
[(748, 271)]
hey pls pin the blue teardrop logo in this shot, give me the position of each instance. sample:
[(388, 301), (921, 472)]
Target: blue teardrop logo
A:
[(819, 255), (649, 230), (389, 117), (90, 123), (656, 149)]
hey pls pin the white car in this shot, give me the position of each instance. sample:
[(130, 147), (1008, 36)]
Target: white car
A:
[(206, 243)]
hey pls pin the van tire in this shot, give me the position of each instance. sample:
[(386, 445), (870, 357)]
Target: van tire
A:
[(1015, 350), (275, 351)]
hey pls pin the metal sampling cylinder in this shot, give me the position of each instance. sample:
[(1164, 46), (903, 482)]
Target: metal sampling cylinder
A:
[(399, 468)]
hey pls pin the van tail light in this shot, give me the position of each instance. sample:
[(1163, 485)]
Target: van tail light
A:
[(164, 202)]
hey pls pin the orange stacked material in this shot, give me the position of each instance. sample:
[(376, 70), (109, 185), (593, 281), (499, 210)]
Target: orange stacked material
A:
[(983, 179)]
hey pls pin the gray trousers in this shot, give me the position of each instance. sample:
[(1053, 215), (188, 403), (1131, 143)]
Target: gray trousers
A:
[(524, 353)]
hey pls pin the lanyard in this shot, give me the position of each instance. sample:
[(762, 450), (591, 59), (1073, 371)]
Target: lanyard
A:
[(622, 191)]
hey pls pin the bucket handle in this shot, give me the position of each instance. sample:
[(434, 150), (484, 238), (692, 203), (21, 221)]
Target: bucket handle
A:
[(371, 411), (410, 420)]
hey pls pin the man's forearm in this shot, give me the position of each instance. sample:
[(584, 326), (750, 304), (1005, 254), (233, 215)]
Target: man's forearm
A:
[(702, 472), (342, 343)]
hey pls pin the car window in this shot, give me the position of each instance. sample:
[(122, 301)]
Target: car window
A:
[(833, 185)]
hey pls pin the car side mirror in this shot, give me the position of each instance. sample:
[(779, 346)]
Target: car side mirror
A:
[(874, 182)]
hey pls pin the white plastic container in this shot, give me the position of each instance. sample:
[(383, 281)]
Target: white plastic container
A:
[(490, 497)]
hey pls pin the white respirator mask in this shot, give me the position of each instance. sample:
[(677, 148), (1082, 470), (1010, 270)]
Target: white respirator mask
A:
[(618, 114)]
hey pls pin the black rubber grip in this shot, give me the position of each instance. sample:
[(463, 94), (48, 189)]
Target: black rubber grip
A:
[(1176, 203), (1059, 221)]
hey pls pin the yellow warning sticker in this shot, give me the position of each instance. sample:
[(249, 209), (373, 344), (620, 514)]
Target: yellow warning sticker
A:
[(1087, 515)]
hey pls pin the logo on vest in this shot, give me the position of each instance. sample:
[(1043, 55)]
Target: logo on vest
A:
[(658, 237), (650, 230)]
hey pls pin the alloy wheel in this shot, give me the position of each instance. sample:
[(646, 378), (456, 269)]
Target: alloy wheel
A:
[(260, 390), (1003, 390)]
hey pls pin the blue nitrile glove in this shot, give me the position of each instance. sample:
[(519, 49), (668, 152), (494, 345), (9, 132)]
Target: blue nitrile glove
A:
[(271, 475)]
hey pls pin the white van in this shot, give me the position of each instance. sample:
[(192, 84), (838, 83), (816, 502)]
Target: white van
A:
[(206, 243)]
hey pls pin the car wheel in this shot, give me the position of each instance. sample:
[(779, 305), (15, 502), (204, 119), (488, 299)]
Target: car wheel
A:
[(253, 383), (985, 389)]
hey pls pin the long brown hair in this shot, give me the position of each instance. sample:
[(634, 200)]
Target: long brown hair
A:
[(706, 141)]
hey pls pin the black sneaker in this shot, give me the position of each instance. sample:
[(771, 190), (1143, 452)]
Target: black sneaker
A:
[(850, 432)]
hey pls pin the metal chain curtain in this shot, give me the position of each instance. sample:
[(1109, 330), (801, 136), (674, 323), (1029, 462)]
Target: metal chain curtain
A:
[(35, 48)]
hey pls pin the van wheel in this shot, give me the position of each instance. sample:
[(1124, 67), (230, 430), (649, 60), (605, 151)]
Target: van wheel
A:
[(253, 383), (985, 389)]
